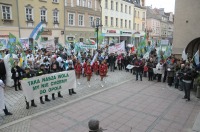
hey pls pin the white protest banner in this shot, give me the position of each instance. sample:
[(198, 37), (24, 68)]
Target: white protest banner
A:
[(48, 45), (48, 84), (24, 42), (119, 48), (89, 46), (129, 67), (3, 43)]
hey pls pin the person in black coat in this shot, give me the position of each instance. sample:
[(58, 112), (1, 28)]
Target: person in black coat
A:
[(40, 72), (150, 66), (112, 60), (26, 75), (2, 71), (54, 70), (16, 75)]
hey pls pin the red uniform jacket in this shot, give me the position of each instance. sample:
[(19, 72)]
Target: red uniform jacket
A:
[(88, 70), (102, 70), (78, 68), (95, 66)]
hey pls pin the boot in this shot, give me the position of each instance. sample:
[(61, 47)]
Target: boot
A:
[(89, 84), (102, 84), (41, 100), (19, 88), (46, 98), (70, 92), (73, 91), (33, 103), (6, 111), (53, 96), (27, 105), (59, 95), (16, 89)]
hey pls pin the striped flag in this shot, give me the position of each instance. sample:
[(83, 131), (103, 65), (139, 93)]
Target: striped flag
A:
[(37, 31)]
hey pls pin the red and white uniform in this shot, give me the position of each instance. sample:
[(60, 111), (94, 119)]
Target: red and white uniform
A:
[(95, 66), (88, 70), (102, 70), (78, 68)]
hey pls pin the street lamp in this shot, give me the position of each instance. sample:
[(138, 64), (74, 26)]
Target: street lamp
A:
[(96, 24)]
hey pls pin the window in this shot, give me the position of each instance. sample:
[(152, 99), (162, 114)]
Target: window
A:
[(125, 8), (89, 4), (78, 2), (121, 22), (98, 22), (84, 3), (138, 14), (80, 20), (138, 27), (106, 20), (55, 16), (56, 40), (143, 15), (111, 5), (116, 6), (129, 24), (129, 9), (106, 4), (121, 7), (125, 23), (56, 1), (143, 26), (111, 21), (91, 20), (116, 22), (44, 38), (71, 20), (29, 14), (80, 39), (6, 12), (43, 15)]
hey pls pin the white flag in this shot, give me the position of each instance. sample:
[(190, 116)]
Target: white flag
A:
[(184, 55), (196, 57)]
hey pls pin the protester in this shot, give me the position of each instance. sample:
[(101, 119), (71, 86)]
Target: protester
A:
[(150, 69), (159, 70), (71, 90), (16, 75), (2, 71)]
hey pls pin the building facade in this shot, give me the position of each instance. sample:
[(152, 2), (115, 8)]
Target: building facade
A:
[(9, 18), (139, 22), (80, 17), (153, 25), (117, 21), (186, 27), (50, 12), (170, 28)]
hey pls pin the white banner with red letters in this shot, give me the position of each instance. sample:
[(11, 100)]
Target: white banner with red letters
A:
[(119, 48)]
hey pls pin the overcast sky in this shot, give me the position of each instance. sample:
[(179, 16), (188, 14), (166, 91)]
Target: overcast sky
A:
[(169, 5)]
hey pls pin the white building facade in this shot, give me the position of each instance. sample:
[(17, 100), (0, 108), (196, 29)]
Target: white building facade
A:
[(117, 21)]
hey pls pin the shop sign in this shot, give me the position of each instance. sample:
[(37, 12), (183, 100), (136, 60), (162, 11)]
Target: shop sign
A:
[(4, 36), (111, 31), (47, 32)]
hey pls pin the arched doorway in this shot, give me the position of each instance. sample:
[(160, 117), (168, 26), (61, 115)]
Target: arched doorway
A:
[(192, 47)]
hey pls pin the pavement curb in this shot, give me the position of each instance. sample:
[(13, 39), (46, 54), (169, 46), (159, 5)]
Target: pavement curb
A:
[(60, 106)]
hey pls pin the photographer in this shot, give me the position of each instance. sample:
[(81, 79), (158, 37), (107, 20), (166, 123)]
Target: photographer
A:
[(159, 70)]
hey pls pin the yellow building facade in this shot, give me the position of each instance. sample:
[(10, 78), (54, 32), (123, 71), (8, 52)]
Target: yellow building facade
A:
[(139, 23), (9, 18), (50, 12)]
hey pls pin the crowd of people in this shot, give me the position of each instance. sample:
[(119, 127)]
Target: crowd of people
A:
[(177, 72)]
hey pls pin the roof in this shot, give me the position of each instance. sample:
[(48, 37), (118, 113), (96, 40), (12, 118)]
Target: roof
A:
[(151, 13)]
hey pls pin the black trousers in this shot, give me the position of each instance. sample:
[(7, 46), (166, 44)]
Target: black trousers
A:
[(187, 88), (112, 67), (119, 66), (17, 83), (165, 76), (170, 81), (150, 74), (159, 77)]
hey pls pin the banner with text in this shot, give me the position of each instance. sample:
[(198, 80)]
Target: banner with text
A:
[(48, 84), (89, 46), (24, 42), (119, 48), (48, 45)]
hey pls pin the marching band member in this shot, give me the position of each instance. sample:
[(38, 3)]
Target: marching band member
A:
[(88, 72), (95, 67), (78, 70), (102, 72)]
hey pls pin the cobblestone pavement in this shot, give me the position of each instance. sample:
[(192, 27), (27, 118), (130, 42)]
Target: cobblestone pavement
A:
[(123, 105)]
